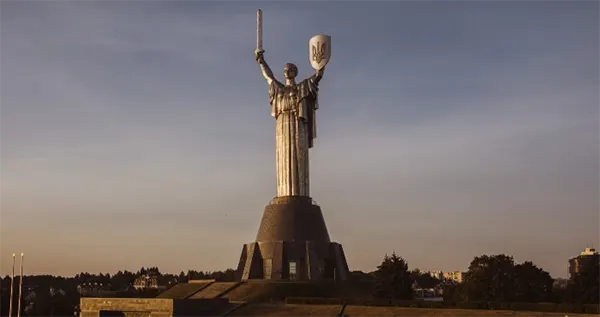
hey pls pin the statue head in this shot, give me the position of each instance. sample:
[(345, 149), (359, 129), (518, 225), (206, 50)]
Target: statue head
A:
[(290, 71)]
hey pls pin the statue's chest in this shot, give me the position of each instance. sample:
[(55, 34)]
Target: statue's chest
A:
[(288, 98)]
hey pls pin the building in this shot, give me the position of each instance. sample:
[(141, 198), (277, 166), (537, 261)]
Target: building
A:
[(584, 261), (456, 276), (436, 274), (94, 288), (146, 281)]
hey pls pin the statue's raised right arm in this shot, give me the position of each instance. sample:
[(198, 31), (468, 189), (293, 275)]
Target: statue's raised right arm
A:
[(264, 68)]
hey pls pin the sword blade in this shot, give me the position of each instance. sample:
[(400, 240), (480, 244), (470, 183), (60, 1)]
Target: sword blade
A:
[(259, 30)]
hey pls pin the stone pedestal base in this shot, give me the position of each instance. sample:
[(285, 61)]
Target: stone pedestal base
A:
[(292, 244)]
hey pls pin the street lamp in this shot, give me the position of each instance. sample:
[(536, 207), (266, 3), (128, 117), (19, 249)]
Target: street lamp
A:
[(12, 280), (20, 288)]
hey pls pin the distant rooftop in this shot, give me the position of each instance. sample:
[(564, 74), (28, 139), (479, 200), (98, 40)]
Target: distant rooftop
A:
[(589, 251)]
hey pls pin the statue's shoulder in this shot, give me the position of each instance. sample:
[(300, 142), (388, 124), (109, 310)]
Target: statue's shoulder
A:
[(305, 81), (307, 87), (276, 84), (310, 81), (275, 88)]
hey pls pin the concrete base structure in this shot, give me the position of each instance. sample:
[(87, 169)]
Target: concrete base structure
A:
[(292, 244), (152, 307)]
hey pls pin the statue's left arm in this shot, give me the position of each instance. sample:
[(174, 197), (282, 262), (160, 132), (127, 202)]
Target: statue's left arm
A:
[(309, 90), (318, 75)]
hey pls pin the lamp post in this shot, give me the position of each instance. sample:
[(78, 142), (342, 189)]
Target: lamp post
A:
[(12, 287), (20, 288)]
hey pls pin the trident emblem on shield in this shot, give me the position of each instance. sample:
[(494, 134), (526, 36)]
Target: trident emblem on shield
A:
[(320, 51)]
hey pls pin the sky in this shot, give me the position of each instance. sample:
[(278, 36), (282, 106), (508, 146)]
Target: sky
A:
[(139, 133)]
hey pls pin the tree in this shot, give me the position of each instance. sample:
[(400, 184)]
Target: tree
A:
[(498, 278), (182, 277), (153, 271), (584, 287), (453, 291), (4, 299), (393, 279), (490, 278), (532, 284), (424, 280), (122, 280), (224, 276)]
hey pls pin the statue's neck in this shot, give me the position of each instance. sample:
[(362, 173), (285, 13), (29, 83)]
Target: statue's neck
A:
[(290, 82)]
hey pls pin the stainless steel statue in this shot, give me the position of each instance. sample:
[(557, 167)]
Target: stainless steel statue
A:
[(293, 106)]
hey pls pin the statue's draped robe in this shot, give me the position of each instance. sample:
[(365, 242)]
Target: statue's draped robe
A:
[(294, 110)]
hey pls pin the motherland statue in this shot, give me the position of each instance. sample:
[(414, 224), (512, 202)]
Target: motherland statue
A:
[(292, 241), (293, 106)]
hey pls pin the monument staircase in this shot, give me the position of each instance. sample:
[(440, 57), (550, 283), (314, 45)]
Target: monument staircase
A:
[(185, 290), (200, 289), (257, 290), (215, 290)]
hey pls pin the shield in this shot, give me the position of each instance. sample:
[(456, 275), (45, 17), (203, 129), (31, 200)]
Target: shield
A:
[(319, 50)]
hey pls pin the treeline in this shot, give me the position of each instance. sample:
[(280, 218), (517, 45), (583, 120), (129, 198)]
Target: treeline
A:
[(47, 295), (494, 280), (122, 280), (490, 278)]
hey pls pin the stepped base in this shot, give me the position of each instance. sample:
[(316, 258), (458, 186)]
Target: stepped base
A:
[(292, 244), (277, 291)]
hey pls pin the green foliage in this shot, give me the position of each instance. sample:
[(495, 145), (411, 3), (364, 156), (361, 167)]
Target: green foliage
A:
[(490, 278), (453, 292), (122, 280), (491, 282), (532, 284), (584, 287), (4, 300), (150, 271), (393, 280), (58, 305), (424, 280), (220, 276), (48, 303), (497, 278)]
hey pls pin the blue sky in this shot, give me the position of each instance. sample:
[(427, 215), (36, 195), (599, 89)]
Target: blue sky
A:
[(139, 133)]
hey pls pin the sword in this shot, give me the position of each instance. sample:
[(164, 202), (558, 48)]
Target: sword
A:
[(259, 47)]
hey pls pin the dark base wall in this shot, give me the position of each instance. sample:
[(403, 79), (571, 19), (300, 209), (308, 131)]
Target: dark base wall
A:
[(292, 244), (153, 307)]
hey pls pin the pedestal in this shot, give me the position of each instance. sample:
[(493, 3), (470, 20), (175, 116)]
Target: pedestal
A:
[(292, 244)]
